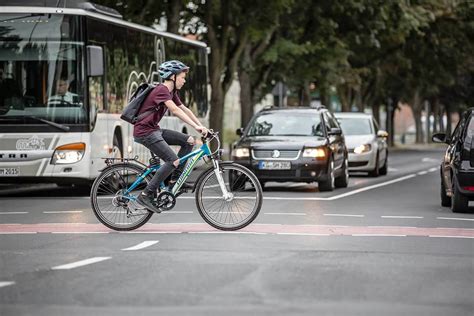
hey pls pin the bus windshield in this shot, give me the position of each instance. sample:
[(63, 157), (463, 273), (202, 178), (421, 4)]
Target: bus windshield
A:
[(41, 70)]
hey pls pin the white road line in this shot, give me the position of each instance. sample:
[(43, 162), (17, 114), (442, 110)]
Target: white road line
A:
[(379, 235), (456, 218), (422, 173), (17, 233), (61, 212), (443, 236), (81, 263), (139, 232), (302, 234), (12, 213), (297, 214), (142, 245), (79, 232), (6, 283), (346, 215), (375, 186), (229, 233), (432, 169), (177, 212), (396, 216)]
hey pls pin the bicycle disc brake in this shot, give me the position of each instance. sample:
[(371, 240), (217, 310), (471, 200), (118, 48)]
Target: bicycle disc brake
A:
[(165, 201)]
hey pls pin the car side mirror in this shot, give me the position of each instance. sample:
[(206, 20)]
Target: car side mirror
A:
[(382, 134), (440, 138), (240, 131), (335, 131)]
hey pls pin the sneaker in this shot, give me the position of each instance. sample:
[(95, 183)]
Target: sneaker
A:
[(148, 202)]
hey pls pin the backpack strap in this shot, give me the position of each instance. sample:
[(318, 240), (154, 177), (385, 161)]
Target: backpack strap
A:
[(143, 115)]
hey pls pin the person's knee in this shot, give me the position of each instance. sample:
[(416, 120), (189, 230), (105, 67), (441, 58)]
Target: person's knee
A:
[(191, 141), (176, 163)]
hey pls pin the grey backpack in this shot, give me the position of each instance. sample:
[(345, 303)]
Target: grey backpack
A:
[(130, 112)]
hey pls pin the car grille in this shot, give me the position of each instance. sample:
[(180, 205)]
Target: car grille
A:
[(358, 163), (267, 154)]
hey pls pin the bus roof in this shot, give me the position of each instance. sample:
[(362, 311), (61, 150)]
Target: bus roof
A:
[(103, 17)]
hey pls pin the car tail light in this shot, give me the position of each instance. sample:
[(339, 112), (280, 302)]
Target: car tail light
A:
[(470, 188)]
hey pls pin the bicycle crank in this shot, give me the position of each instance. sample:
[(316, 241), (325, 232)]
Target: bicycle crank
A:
[(165, 201)]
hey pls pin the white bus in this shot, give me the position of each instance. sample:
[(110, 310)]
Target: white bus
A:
[(65, 75)]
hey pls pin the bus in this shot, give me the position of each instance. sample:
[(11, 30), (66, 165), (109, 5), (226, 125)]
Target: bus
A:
[(66, 72)]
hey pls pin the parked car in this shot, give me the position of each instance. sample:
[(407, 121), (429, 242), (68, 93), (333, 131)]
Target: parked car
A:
[(294, 144), (367, 145), (457, 167)]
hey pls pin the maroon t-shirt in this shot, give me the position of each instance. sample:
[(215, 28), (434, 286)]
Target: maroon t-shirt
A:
[(154, 101)]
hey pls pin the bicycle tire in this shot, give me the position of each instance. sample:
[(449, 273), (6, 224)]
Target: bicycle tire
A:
[(253, 186), (98, 189)]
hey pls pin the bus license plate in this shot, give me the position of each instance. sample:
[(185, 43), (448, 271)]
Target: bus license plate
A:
[(274, 165), (9, 172)]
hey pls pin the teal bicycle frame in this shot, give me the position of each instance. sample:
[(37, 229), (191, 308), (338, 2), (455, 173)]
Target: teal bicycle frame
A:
[(194, 157)]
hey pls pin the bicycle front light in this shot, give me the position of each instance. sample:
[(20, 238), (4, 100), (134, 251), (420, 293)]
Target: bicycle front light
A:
[(70, 153), (241, 152)]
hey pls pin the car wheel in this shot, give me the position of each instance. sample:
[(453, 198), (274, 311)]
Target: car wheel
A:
[(343, 180), (329, 183), (459, 202), (375, 172), (445, 199), (383, 171)]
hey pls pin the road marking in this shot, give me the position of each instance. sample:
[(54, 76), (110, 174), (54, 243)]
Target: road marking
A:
[(422, 173), (302, 234), (443, 236), (139, 232), (12, 213), (430, 160), (177, 212), (16, 233), (6, 283), (81, 263), (142, 245), (79, 232), (432, 169), (396, 216), (377, 235), (456, 218), (61, 212), (346, 215), (297, 214)]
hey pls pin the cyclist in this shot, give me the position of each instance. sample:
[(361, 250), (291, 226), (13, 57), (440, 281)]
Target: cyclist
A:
[(148, 132)]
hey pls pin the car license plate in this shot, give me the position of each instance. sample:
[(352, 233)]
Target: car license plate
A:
[(274, 165), (9, 172)]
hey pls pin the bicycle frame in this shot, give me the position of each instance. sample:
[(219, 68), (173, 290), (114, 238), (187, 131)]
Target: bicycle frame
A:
[(194, 157)]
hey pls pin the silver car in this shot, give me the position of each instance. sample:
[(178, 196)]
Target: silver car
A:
[(366, 144)]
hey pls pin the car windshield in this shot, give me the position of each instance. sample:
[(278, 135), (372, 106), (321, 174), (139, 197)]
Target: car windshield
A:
[(40, 70), (355, 125), (287, 123)]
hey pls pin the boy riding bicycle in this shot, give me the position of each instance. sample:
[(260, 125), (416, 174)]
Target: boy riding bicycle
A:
[(148, 133)]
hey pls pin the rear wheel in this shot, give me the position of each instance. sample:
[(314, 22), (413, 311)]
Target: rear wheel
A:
[(375, 172), (112, 206), (240, 208), (459, 202)]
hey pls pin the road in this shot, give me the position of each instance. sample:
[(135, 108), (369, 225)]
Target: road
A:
[(383, 245)]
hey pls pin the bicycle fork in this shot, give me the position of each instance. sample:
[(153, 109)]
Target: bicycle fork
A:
[(228, 196)]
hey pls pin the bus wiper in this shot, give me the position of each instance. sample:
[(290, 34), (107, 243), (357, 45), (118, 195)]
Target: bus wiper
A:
[(60, 126)]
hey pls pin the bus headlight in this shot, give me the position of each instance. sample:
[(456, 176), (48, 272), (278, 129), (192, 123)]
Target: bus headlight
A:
[(70, 153), (241, 152)]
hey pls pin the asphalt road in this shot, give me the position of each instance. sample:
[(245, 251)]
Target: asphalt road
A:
[(383, 245)]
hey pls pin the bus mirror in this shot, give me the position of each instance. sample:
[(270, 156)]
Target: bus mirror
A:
[(95, 61)]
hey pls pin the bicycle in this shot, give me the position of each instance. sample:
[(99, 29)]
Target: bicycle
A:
[(228, 196)]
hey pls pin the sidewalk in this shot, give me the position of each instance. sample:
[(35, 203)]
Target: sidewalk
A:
[(419, 147)]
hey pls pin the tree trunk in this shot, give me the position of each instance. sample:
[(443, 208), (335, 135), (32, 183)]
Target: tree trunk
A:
[(417, 108), (376, 111), (216, 113), (175, 8), (358, 100), (246, 106), (448, 121)]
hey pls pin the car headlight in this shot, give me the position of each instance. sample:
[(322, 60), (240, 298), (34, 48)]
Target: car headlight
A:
[(241, 152), (314, 152), (362, 149), (70, 153)]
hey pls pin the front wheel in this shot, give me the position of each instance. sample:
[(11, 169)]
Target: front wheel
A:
[(112, 205), (239, 208)]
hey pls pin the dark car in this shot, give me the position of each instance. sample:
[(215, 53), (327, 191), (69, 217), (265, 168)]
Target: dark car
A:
[(294, 144), (457, 168)]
